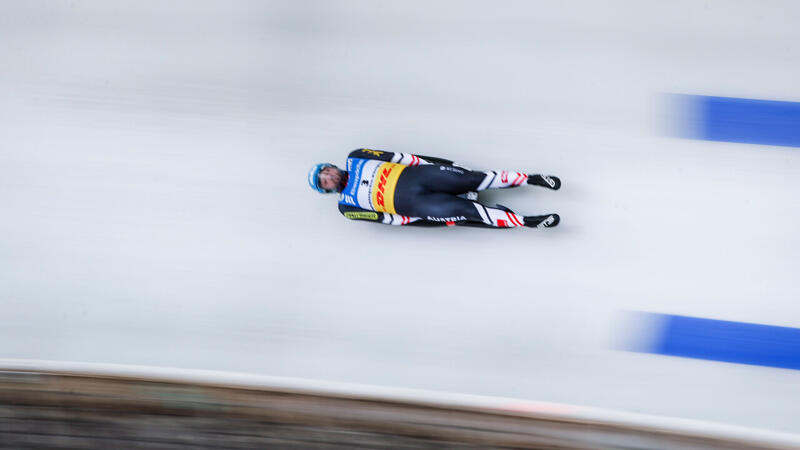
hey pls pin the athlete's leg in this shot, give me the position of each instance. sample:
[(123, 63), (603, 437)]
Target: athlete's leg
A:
[(494, 179), (449, 208), (444, 179), (455, 180), (501, 179)]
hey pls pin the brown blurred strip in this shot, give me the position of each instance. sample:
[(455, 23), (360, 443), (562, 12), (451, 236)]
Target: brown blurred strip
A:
[(89, 411)]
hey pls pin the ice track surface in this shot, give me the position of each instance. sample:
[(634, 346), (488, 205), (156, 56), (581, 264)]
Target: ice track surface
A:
[(155, 210)]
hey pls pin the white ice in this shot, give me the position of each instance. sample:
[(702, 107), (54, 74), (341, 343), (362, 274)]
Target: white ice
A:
[(154, 207)]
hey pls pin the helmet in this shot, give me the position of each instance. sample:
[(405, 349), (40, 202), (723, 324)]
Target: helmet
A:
[(313, 179)]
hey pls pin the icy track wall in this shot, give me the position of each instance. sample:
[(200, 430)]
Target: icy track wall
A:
[(87, 406), (155, 211)]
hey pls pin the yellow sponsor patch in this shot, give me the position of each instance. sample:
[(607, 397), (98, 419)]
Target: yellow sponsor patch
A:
[(361, 215), (383, 193), (372, 152)]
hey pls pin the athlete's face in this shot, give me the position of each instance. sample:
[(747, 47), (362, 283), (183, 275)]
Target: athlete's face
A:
[(330, 179)]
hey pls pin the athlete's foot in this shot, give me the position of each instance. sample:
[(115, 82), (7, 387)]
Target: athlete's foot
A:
[(548, 181), (546, 221)]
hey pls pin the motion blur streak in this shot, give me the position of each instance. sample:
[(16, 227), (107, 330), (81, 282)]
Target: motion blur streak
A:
[(155, 207), (721, 340), (750, 121)]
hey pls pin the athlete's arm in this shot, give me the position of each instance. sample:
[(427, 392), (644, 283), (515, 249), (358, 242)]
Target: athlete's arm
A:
[(436, 160), (407, 159), (356, 213)]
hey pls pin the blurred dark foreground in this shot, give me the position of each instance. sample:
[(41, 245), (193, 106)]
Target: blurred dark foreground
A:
[(91, 411)]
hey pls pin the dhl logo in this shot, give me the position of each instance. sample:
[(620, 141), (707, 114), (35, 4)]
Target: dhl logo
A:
[(382, 184), (372, 152), (385, 184)]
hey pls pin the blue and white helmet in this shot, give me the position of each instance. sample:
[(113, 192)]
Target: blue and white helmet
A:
[(313, 178)]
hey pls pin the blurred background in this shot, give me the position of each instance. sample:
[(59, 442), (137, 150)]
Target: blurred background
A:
[(154, 209)]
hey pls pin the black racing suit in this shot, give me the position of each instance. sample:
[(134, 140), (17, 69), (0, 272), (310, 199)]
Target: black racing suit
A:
[(406, 189)]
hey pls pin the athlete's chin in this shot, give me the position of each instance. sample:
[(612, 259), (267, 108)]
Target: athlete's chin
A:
[(341, 183)]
